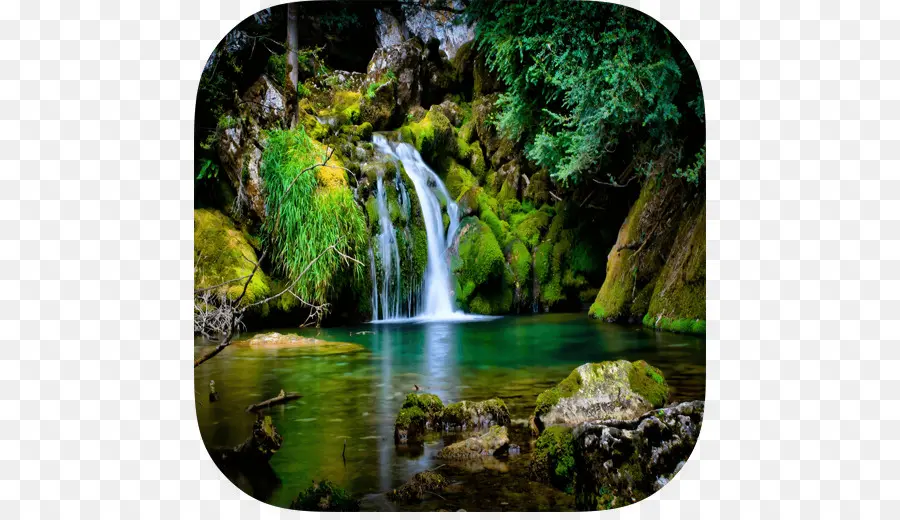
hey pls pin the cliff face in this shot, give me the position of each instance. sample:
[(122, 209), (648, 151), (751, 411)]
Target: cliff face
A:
[(656, 271)]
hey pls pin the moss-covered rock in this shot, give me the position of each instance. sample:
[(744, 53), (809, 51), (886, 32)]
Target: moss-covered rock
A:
[(433, 136), (222, 254), (610, 390), (619, 463), (430, 405), (553, 459), (493, 442), (530, 227), (479, 259), (419, 487), (410, 426), (459, 180), (467, 415), (325, 496)]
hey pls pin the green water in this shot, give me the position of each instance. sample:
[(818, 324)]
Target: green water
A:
[(355, 398)]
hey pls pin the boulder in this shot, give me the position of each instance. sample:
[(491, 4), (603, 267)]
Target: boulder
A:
[(553, 459), (247, 464), (405, 61), (308, 346), (410, 425), (417, 488), (430, 405), (610, 390), (467, 415), (621, 462), (495, 441)]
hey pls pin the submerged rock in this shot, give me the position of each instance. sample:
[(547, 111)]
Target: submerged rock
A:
[(247, 464), (307, 346), (416, 488), (611, 390), (495, 441), (467, 415), (325, 496), (418, 413), (622, 462)]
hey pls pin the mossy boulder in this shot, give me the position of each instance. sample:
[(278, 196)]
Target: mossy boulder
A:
[(410, 426), (433, 136), (459, 180), (430, 405), (419, 487), (530, 227), (222, 253), (493, 442), (553, 459), (468, 415), (325, 496), (610, 390), (380, 109), (618, 463), (478, 260)]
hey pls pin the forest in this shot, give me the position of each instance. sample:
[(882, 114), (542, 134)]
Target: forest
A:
[(483, 226)]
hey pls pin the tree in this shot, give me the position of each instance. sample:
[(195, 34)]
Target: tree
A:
[(591, 87), (293, 63)]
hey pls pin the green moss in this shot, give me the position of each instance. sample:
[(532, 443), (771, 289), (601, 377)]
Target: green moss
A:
[(423, 485), (363, 131), (467, 414), (566, 388), (325, 496), (519, 260), (430, 404), (648, 382), (530, 228), (432, 136), (221, 253), (554, 457), (459, 180), (682, 325), (410, 418), (479, 262)]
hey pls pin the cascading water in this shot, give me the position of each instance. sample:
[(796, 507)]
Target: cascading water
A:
[(436, 300), (386, 298)]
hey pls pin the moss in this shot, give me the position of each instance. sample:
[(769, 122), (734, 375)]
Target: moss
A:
[(566, 388), (467, 414), (332, 175), (325, 496), (476, 161), (411, 418), (420, 487), (519, 260), (648, 382), (432, 136), (459, 180), (682, 325), (554, 457), (530, 228), (363, 131), (430, 404), (221, 253), (479, 260)]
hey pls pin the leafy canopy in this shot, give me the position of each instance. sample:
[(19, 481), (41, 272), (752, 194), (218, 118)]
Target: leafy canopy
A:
[(584, 78)]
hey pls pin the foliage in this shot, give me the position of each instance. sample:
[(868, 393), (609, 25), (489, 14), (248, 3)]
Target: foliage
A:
[(375, 85), (306, 220), (208, 170), (584, 78)]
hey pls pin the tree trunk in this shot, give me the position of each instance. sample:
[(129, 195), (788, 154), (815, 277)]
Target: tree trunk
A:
[(293, 65)]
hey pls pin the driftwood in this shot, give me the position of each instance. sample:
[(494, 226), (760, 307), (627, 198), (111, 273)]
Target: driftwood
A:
[(281, 398)]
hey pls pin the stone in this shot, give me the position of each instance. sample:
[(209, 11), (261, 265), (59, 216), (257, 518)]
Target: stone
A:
[(468, 415), (610, 390), (621, 462), (418, 487), (493, 442)]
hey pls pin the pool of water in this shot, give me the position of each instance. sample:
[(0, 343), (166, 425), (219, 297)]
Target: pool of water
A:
[(354, 398)]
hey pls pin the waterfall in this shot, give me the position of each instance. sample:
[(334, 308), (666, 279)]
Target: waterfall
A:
[(436, 299)]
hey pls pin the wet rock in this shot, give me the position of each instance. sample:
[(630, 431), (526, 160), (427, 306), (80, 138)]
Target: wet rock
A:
[(213, 395), (419, 487), (611, 390), (410, 425), (405, 60), (305, 345), (467, 415), (495, 441), (621, 462), (431, 407), (553, 459), (325, 496)]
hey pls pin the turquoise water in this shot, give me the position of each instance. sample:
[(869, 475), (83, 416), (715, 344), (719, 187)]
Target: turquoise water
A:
[(355, 398)]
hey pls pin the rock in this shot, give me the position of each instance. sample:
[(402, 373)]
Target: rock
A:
[(430, 405), (553, 459), (467, 415), (495, 441), (621, 462), (307, 346), (478, 266), (405, 60), (247, 464), (418, 487), (213, 395), (325, 496), (451, 111), (432, 136), (220, 255), (410, 426), (610, 390)]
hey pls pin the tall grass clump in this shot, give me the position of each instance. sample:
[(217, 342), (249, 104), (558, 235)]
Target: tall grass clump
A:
[(304, 219)]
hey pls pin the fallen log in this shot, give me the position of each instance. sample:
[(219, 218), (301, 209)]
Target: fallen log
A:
[(281, 398)]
